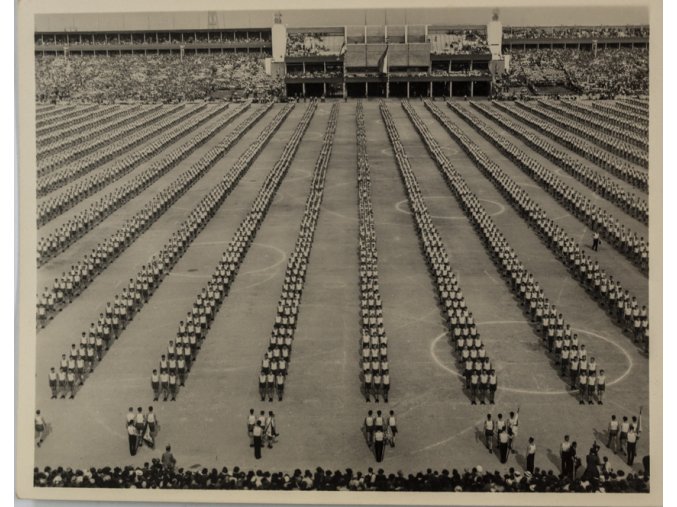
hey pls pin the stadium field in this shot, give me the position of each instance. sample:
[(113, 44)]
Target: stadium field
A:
[(320, 420)]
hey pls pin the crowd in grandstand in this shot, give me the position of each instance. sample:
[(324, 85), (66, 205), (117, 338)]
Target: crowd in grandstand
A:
[(155, 475), (315, 74), (574, 32), (537, 67), (610, 72), (313, 44), (604, 74), (152, 78), (150, 38), (458, 42)]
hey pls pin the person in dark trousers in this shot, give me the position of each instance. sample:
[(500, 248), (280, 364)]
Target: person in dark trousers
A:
[(531, 455), (379, 444), (574, 461), (168, 460), (565, 453), (612, 442), (631, 445), (133, 445), (592, 464), (489, 433), (257, 432), (595, 241), (503, 439)]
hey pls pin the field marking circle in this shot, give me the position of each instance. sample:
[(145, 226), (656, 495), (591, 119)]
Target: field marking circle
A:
[(398, 207), (283, 257), (530, 391)]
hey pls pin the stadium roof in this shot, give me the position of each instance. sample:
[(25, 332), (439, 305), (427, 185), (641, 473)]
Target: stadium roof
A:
[(198, 20)]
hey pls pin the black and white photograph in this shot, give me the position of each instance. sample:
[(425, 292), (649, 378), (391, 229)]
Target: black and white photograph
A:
[(388, 253)]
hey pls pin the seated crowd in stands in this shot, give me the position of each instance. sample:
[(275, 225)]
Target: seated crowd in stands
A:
[(152, 78), (574, 32), (538, 67), (612, 72), (315, 74), (609, 73), (458, 42), (151, 38), (154, 475), (313, 44)]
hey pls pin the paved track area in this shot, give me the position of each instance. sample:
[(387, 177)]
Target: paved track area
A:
[(321, 416)]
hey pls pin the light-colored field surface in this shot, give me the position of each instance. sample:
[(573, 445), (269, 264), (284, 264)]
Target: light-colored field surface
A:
[(320, 418)]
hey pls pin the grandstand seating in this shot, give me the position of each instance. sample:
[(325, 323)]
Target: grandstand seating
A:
[(152, 78)]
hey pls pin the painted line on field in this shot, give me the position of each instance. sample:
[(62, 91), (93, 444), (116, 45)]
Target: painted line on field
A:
[(448, 439), (398, 207), (531, 391), (283, 257)]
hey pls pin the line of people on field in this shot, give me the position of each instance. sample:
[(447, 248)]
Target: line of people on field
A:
[(606, 113), (141, 429), (182, 351), (84, 128), (623, 436), (82, 188), (612, 109), (603, 185), (452, 303), (57, 116), (379, 431), (275, 363), (548, 322), (629, 244), (261, 430), (64, 165), (640, 110), (607, 126), (88, 117), (597, 155), (613, 144), (375, 371), (69, 165), (193, 329), (504, 432), (63, 236), (617, 301), (71, 283), (132, 298)]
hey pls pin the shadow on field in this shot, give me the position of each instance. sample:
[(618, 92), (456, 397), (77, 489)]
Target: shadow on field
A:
[(554, 458)]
